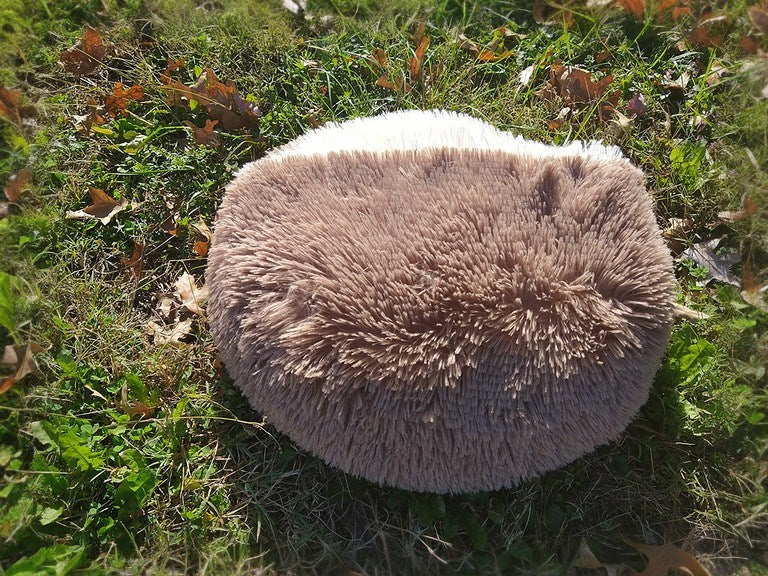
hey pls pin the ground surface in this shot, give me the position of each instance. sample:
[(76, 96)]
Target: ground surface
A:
[(128, 451)]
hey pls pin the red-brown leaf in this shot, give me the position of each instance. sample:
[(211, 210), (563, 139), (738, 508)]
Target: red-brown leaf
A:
[(22, 359), (84, 57), (206, 135), (663, 559), (16, 184), (116, 102), (136, 260), (379, 57), (103, 207), (415, 62), (635, 7), (488, 56), (202, 238)]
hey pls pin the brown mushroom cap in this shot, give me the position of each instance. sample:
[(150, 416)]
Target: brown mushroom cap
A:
[(446, 319)]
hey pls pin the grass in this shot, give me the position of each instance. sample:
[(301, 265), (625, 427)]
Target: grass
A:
[(130, 457)]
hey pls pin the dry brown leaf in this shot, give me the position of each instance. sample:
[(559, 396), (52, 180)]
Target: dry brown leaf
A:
[(136, 260), (396, 86), (202, 238), (173, 65), (749, 45), (560, 121), (704, 35), (11, 106), (15, 186), (585, 562), (169, 334), (758, 16), (103, 208), (465, 43), (662, 559), (676, 234), (165, 305), (716, 73), (84, 122), (488, 56), (205, 136), (635, 7), (729, 216), (222, 101), (418, 33), (116, 102), (190, 296), (576, 87), (225, 104), (22, 359), (752, 291), (136, 408), (379, 57), (85, 56), (675, 9), (418, 57)]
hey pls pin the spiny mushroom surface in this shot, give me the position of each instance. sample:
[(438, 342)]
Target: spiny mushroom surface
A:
[(430, 303)]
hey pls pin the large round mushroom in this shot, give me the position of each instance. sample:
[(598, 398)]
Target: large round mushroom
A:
[(430, 303)]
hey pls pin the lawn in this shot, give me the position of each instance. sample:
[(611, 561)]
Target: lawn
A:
[(124, 446)]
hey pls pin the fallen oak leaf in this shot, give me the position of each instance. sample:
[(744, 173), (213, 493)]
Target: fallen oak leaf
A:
[(556, 123), (674, 8), (116, 103), (84, 122), (103, 208), (85, 56), (396, 86), (22, 358), (465, 43), (173, 65), (702, 35), (202, 238), (16, 184), (379, 57), (136, 260), (662, 559), (11, 106), (165, 306), (585, 559), (169, 334), (749, 45), (676, 234), (729, 216), (751, 290), (190, 296), (224, 103), (133, 408), (634, 7), (576, 86), (204, 136), (415, 62), (488, 56)]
